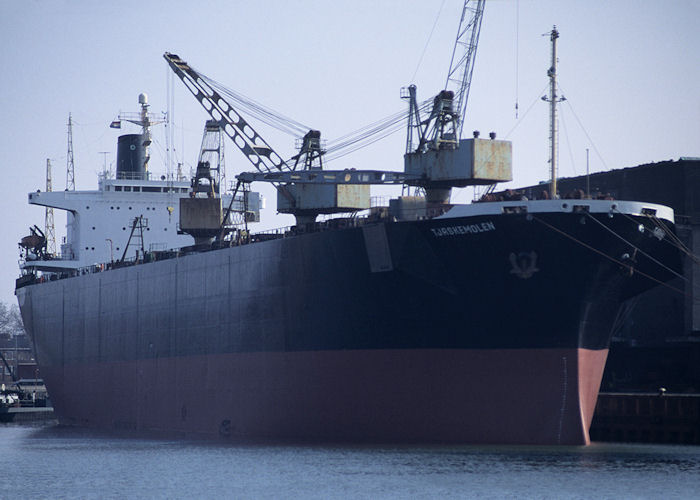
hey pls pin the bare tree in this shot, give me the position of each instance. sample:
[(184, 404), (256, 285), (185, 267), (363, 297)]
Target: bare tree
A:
[(10, 321)]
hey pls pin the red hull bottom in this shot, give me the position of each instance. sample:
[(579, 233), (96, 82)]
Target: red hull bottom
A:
[(513, 396)]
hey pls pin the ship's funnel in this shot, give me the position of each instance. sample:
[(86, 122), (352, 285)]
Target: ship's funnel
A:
[(131, 157)]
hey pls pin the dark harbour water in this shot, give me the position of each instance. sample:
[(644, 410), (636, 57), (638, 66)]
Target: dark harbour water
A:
[(55, 462)]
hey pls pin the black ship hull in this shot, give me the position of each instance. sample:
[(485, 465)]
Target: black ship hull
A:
[(492, 327)]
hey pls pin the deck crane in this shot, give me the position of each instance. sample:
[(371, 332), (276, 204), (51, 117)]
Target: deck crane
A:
[(435, 151), (438, 162), (442, 129), (243, 135), (459, 77), (299, 192)]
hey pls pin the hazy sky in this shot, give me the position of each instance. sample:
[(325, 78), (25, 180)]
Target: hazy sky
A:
[(629, 69)]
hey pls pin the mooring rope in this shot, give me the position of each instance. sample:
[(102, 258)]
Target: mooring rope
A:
[(603, 254), (637, 248)]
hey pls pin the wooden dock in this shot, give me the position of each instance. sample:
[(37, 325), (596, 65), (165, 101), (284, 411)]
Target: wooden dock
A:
[(26, 414), (647, 418)]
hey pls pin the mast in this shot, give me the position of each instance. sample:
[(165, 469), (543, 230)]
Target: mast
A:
[(553, 100), (145, 123), (70, 166), (49, 229), (145, 120)]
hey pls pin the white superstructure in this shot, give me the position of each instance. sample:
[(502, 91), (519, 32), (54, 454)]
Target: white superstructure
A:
[(99, 222)]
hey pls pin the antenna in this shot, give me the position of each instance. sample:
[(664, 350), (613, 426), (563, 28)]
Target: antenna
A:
[(70, 167), (49, 229)]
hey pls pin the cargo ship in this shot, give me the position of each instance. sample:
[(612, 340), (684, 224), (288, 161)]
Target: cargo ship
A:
[(478, 326), (419, 322)]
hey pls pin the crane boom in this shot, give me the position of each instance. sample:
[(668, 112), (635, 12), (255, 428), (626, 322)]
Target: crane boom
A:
[(251, 144), (443, 128), (459, 77), (348, 176), (440, 159)]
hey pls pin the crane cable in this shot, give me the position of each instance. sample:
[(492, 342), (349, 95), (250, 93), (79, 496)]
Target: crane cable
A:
[(672, 239), (427, 42), (344, 145), (603, 254), (517, 54), (257, 110), (370, 134), (636, 248)]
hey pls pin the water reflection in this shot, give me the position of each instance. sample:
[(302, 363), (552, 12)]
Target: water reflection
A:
[(55, 461)]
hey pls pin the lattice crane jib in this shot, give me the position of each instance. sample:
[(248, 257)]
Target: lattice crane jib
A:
[(243, 135), (442, 129), (459, 77), (440, 159)]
